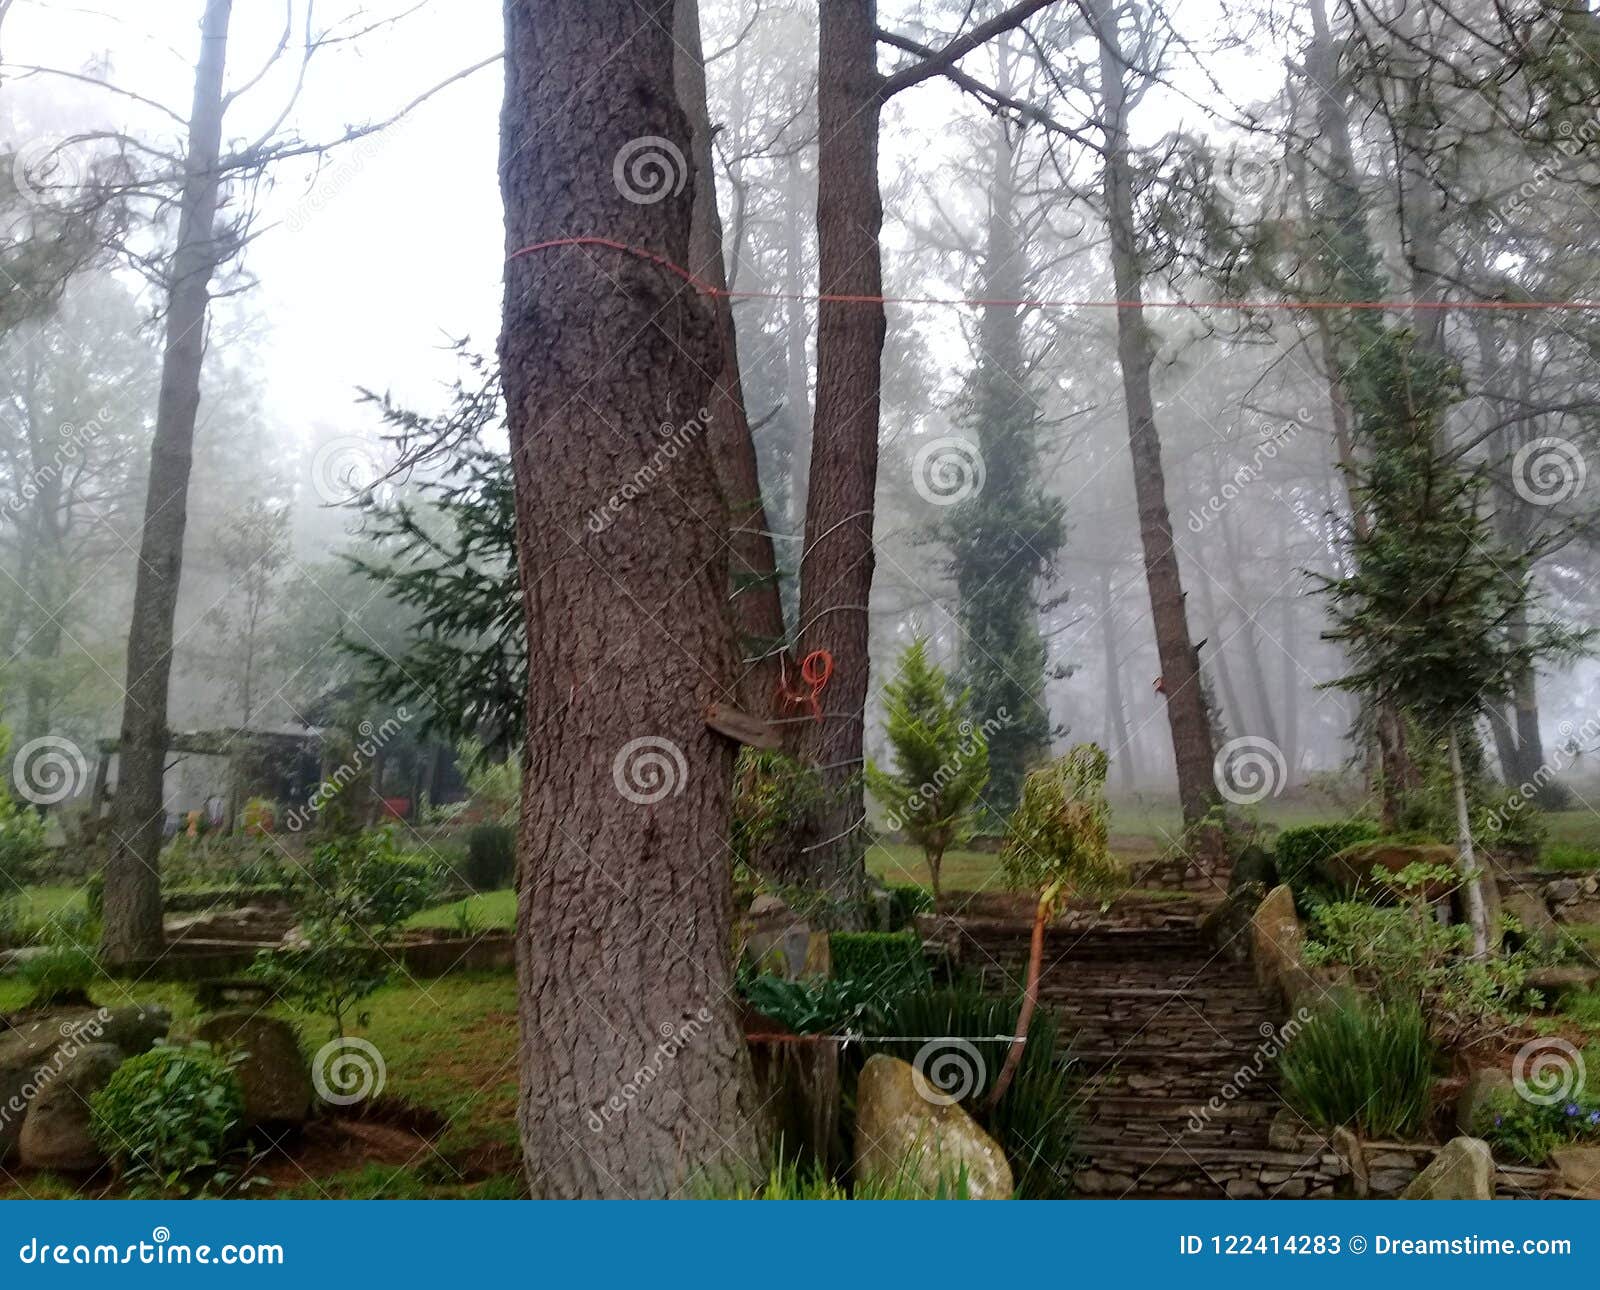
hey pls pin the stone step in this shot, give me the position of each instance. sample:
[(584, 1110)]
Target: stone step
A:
[(1113, 1107)]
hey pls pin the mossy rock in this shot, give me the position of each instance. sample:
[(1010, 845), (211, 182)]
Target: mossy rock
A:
[(1350, 870)]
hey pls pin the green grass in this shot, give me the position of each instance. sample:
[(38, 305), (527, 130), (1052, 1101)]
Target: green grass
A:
[(489, 911), (40, 902)]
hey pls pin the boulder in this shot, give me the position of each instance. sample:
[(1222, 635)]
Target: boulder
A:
[(1561, 979), (1579, 1168), (252, 924), (273, 1072), (1528, 908), (1227, 927), (1463, 1170), (1484, 1087), (55, 1132), (49, 1039), (1350, 870), (907, 1130), (1276, 941)]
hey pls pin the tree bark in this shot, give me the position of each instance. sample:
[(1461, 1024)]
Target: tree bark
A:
[(1180, 664), (132, 923), (1472, 876), (757, 605), (635, 1077)]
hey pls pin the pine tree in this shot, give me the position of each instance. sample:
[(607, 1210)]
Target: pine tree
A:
[(941, 760), (1425, 616)]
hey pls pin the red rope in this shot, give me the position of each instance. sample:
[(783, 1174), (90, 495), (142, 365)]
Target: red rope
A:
[(816, 670), (979, 302)]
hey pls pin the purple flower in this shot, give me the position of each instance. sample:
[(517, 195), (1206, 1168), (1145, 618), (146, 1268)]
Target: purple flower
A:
[(1594, 1117), (1572, 1108)]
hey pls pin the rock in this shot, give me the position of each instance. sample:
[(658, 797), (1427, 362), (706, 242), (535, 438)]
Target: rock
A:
[(1562, 890), (1538, 928), (55, 1132), (1226, 928), (1567, 978), (1483, 1087), (251, 924), (1579, 1168), (274, 1075), (1276, 938), (48, 1040), (1463, 1170), (1350, 870), (906, 1129), (1244, 1189), (1352, 1156)]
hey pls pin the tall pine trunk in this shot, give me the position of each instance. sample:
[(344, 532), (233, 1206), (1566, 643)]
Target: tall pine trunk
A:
[(132, 923), (1180, 664), (624, 887)]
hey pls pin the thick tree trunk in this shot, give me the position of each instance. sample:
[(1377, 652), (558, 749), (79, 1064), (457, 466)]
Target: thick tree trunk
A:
[(1118, 743), (757, 606), (836, 568), (635, 1076), (1180, 664), (132, 924)]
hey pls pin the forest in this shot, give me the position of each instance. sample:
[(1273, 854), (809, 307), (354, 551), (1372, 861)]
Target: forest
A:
[(852, 599)]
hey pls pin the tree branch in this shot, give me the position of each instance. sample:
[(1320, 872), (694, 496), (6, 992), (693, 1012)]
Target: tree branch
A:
[(941, 63)]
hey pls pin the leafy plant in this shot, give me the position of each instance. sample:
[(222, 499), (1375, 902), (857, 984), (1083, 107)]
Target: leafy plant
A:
[(350, 893), (1530, 1131), (941, 760), (22, 831), (1056, 841), (166, 1118), (491, 856), (772, 795), (787, 1180), (1361, 1064), (906, 901), (1301, 851), (61, 974), (885, 958), (1570, 858), (1035, 1119)]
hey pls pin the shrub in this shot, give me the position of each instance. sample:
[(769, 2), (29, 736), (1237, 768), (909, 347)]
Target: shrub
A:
[(60, 975), (21, 831), (1569, 858), (773, 794), (906, 901), (815, 1005), (1301, 851), (1035, 1120), (167, 1117), (491, 856), (886, 958), (1361, 1064), (1530, 1132)]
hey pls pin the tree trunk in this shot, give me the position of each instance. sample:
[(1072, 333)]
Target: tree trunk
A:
[(1118, 743), (837, 565), (1180, 664), (1030, 998), (132, 924), (1472, 876), (635, 1077), (757, 606)]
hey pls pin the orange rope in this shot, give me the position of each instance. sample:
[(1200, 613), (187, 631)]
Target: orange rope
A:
[(816, 670)]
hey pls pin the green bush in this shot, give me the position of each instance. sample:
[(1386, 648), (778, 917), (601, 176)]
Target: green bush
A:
[(1361, 1064), (1301, 851), (813, 1005), (906, 901), (1529, 1132), (887, 958), (166, 1118), (1035, 1122), (491, 856), (60, 975), (1569, 858)]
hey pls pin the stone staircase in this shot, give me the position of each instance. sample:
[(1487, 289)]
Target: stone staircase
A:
[(1174, 1045)]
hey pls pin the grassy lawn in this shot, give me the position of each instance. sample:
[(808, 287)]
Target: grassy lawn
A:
[(40, 902), (487, 910)]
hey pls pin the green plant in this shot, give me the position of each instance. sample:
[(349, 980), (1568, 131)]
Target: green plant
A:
[(1301, 851), (773, 794), (1035, 1119), (61, 974), (491, 856), (941, 760), (812, 1005), (885, 958), (1570, 858), (1056, 840), (350, 893), (906, 901), (787, 1180), (1530, 1131), (166, 1118), (1361, 1064), (22, 831)]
